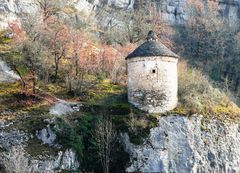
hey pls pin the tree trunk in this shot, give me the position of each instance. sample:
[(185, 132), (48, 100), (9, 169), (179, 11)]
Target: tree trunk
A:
[(69, 83), (34, 83), (19, 74), (56, 68), (81, 82)]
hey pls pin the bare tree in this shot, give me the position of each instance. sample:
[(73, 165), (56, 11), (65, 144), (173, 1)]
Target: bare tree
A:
[(124, 26), (15, 161), (49, 8), (209, 43), (105, 137)]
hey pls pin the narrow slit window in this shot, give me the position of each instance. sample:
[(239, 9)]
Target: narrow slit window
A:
[(154, 71)]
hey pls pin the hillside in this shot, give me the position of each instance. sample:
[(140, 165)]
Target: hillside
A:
[(177, 14), (56, 135), (64, 86), (172, 11)]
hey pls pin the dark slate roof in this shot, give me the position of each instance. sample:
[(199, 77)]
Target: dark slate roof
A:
[(150, 48)]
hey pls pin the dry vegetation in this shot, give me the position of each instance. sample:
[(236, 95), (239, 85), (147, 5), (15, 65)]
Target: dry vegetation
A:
[(197, 94), (209, 44), (57, 59)]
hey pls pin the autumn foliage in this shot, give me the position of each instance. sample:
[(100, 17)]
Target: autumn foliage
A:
[(67, 55), (18, 33)]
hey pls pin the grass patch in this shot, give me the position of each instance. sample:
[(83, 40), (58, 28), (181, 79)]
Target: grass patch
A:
[(55, 90), (136, 123), (13, 97), (4, 41), (7, 89), (105, 92)]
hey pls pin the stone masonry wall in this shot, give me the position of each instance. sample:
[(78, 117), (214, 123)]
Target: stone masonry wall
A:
[(152, 83)]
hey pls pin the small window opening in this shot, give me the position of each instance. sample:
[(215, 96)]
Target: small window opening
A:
[(153, 71)]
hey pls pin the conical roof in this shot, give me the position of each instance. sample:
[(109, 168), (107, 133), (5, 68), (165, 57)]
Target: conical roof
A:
[(151, 47)]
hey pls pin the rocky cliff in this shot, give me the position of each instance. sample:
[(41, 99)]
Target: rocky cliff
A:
[(12, 10), (171, 11), (181, 144), (174, 13), (185, 145), (193, 144)]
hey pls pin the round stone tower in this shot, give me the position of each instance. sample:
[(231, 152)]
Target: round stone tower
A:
[(152, 76)]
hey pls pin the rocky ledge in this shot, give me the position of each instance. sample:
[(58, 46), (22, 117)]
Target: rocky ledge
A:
[(15, 147), (181, 144)]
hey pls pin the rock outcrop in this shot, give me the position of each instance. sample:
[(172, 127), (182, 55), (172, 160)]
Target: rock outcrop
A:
[(184, 145), (13, 138), (178, 144), (14, 157), (66, 160), (12, 10), (46, 135), (62, 108), (172, 11), (127, 4), (6, 74)]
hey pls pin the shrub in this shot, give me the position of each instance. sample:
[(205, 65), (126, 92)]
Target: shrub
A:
[(69, 138), (197, 94)]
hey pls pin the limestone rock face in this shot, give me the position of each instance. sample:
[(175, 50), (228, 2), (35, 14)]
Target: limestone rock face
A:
[(185, 145), (14, 157), (62, 108), (46, 135), (171, 11), (13, 143), (174, 13), (6, 74), (121, 3), (11, 10), (64, 161), (84, 5), (9, 139), (69, 160)]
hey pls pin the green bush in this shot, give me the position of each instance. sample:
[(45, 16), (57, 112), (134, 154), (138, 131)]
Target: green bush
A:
[(69, 138), (120, 109)]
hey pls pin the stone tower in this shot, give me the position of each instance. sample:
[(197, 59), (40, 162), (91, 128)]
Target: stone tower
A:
[(152, 76)]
